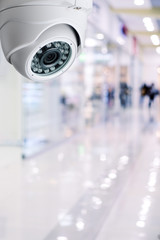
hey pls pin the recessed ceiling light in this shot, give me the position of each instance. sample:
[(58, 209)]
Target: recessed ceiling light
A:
[(155, 40), (148, 24), (139, 2)]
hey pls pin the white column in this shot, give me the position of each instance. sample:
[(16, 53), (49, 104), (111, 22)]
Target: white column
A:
[(10, 108)]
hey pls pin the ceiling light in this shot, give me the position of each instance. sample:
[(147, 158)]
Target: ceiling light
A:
[(155, 40), (147, 20), (148, 24), (139, 2)]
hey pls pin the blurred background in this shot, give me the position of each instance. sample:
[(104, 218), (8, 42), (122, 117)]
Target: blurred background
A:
[(80, 155)]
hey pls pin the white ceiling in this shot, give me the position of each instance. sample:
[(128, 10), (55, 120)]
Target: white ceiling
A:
[(128, 4), (133, 22)]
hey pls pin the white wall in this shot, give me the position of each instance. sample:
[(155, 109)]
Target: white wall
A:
[(10, 103)]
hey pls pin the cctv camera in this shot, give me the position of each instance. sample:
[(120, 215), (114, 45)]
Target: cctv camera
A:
[(41, 38)]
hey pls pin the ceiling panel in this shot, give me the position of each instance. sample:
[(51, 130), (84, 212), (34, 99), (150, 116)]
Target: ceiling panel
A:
[(128, 4)]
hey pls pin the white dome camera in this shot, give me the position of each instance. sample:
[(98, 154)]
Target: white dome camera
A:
[(42, 38)]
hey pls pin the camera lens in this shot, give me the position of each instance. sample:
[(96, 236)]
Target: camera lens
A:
[(51, 58)]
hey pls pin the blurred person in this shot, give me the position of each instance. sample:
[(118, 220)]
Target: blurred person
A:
[(152, 93), (111, 96), (125, 95), (144, 92), (63, 99)]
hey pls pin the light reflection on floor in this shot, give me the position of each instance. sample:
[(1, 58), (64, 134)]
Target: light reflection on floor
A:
[(103, 184)]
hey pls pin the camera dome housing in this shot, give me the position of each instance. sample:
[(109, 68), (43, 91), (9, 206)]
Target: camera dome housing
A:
[(49, 56), (41, 38)]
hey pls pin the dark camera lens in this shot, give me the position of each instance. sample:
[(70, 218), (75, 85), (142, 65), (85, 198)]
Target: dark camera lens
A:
[(51, 57)]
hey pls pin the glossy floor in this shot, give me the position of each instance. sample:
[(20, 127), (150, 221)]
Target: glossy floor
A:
[(103, 184)]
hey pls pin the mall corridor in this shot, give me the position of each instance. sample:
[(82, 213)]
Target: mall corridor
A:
[(101, 184), (79, 120)]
